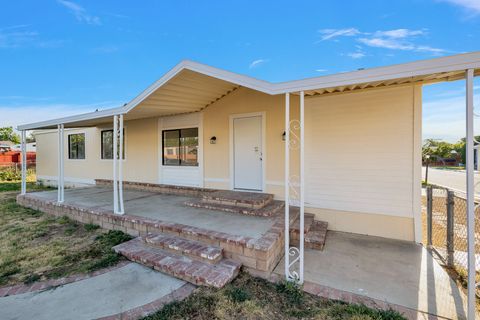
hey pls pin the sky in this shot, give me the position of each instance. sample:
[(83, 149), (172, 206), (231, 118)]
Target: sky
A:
[(62, 57)]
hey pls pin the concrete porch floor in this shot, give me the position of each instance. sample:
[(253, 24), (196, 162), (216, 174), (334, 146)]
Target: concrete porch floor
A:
[(396, 272), (169, 208)]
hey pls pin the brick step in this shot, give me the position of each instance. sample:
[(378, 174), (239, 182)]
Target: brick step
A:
[(269, 210), (316, 236), (182, 267), (295, 226), (191, 248), (252, 200)]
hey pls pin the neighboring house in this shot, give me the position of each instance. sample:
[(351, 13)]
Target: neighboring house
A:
[(205, 127), (31, 147)]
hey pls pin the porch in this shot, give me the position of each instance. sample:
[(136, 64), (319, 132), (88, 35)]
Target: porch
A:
[(379, 272)]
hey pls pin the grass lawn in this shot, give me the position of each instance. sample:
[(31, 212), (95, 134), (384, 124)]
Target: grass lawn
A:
[(36, 246), (254, 298)]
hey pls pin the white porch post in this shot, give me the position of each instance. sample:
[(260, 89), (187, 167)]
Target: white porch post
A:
[(470, 196), (287, 186), (60, 183), (114, 159), (120, 169), (24, 163), (302, 181)]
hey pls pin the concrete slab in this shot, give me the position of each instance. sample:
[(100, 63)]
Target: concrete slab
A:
[(168, 208), (111, 293), (397, 272)]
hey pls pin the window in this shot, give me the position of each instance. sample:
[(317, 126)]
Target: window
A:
[(107, 144), (76, 146), (180, 147)]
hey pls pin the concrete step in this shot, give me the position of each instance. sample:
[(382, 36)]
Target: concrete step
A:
[(271, 209), (191, 248), (316, 236), (295, 226), (183, 267), (253, 200)]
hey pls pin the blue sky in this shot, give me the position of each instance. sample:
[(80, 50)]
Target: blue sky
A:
[(60, 57)]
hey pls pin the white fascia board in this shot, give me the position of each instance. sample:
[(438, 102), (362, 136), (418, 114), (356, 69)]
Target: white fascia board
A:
[(71, 119), (411, 69)]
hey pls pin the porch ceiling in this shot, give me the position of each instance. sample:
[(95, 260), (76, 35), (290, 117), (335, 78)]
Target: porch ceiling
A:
[(188, 91)]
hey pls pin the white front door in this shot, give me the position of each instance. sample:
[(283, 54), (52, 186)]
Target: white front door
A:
[(247, 153)]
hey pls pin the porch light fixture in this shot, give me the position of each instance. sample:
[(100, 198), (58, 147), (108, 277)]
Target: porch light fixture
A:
[(283, 135), (213, 140)]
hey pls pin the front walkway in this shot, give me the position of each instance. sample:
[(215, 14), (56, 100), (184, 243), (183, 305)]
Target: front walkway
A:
[(126, 292), (396, 272)]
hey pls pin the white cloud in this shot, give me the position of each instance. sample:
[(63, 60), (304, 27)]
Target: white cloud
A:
[(356, 55), (17, 36), (257, 63), (395, 39), (321, 70), (105, 49), (328, 34), (467, 4), (399, 33), (80, 13)]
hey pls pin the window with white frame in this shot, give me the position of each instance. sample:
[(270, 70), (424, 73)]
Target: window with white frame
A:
[(107, 144), (180, 147), (76, 146)]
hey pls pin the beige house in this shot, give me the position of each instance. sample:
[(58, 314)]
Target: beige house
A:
[(200, 126)]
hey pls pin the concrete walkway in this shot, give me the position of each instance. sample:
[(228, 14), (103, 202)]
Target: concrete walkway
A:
[(108, 294), (397, 272)]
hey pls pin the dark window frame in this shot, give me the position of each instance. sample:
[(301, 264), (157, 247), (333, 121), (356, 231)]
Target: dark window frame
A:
[(102, 146), (70, 145), (179, 146)]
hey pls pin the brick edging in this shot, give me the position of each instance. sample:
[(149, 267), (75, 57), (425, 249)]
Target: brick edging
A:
[(149, 308), (49, 284)]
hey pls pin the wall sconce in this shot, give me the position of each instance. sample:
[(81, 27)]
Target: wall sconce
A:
[(283, 136), (213, 140)]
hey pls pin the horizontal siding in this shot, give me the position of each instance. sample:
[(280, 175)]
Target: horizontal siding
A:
[(359, 151), (181, 176)]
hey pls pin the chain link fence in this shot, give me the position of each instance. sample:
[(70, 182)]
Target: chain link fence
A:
[(445, 229)]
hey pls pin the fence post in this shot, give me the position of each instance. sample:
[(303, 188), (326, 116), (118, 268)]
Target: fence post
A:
[(450, 228), (429, 215)]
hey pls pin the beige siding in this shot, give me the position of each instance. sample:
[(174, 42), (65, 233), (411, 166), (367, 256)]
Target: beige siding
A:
[(359, 151)]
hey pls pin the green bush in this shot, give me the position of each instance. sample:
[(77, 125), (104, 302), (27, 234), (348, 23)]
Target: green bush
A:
[(10, 174)]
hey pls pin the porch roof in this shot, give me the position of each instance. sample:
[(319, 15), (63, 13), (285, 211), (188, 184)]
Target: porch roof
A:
[(192, 86)]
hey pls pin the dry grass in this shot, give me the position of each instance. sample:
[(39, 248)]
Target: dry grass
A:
[(36, 246), (253, 298)]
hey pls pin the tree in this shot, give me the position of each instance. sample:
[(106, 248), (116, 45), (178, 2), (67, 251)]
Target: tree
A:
[(7, 134)]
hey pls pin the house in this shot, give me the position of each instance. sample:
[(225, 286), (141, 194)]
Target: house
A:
[(31, 147), (290, 158), (204, 127)]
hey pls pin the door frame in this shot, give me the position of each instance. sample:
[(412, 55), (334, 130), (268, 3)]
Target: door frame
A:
[(232, 117)]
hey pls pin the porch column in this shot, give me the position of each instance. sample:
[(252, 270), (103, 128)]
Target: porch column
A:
[(470, 195), (287, 186), (60, 183), (120, 168), (24, 163), (302, 181), (114, 159)]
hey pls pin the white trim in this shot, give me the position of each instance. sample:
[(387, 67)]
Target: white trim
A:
[(24, 162), (302, 183), (417, 163), (287, 188), (411, 69), (232, 117)]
